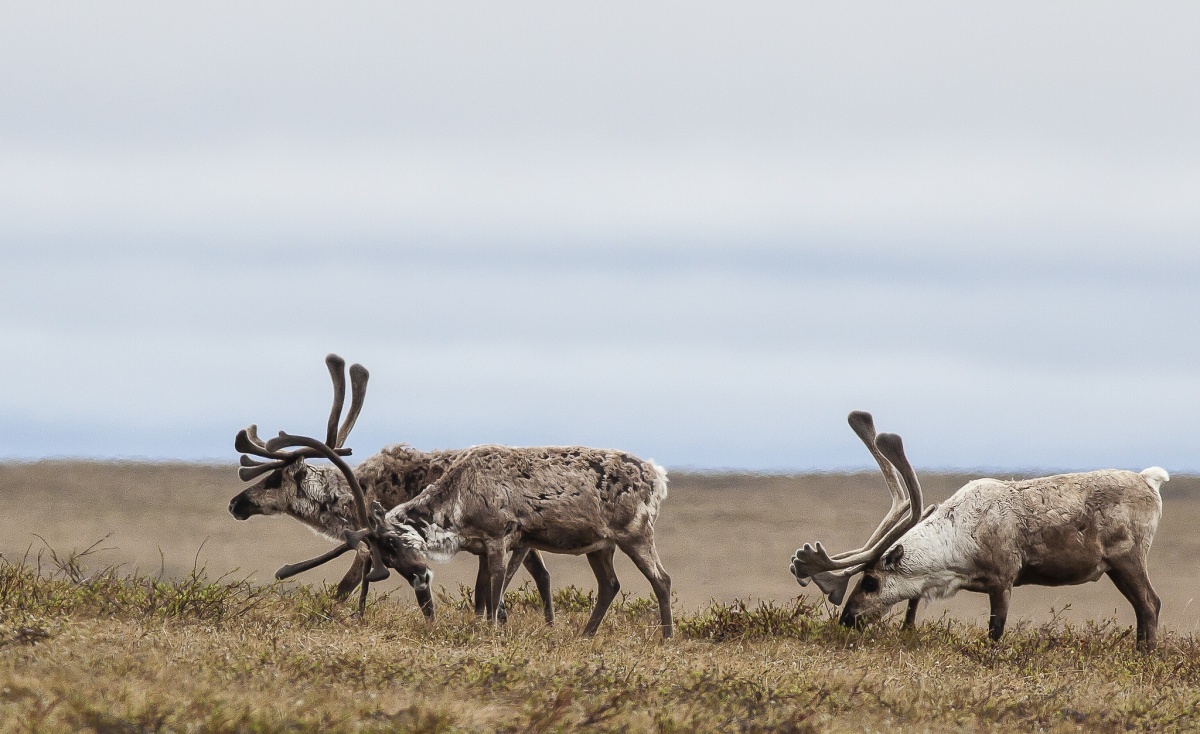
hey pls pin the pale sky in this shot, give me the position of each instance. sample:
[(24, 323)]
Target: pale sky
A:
[(703, 233)]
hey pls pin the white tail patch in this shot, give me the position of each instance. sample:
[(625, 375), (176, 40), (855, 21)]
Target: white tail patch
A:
[(1156, 476), (660, 482)]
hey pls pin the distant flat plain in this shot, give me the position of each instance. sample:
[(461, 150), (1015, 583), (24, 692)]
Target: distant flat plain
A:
[(721, 536)]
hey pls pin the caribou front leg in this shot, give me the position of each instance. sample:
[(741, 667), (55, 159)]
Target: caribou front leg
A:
[(999, 614), (494, 553), (483, 583)]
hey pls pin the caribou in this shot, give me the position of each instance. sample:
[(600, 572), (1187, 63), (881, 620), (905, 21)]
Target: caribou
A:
[(497, 499), (992, 535), (570, 499), (322, 497)]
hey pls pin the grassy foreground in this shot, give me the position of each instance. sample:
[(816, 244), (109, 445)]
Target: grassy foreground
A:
[(115, 653)]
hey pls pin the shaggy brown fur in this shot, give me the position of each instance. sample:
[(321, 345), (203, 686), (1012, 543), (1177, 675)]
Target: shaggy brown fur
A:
[(576, 500), (319, 496)]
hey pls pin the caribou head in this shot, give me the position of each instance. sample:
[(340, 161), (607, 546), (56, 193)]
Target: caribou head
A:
[(872, 596), (291, 485), (290, 481)]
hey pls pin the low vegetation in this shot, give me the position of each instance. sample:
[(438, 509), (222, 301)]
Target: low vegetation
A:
[(112, 652)]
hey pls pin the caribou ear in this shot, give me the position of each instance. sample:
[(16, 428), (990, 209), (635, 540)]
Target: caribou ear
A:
[(892, 558), (833, 585)]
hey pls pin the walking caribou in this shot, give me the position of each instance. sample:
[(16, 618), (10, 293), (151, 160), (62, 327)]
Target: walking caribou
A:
[(497, 499), (320, 496)]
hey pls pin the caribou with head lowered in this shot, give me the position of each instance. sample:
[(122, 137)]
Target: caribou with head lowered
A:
[(559, 499), (323, 498), (493, 500), (992, 535)]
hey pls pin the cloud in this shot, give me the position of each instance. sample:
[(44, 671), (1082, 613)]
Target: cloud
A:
[(701, 232)]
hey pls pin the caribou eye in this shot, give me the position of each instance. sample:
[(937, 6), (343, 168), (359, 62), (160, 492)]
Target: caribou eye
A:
[(870, 584), (274, 481)]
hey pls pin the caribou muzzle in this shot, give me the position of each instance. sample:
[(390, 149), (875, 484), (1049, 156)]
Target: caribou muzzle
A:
[(852, 620), (243, 508), (421, 581)]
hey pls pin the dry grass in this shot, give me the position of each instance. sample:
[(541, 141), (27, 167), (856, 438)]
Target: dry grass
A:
[(111, 653), (171, 648)]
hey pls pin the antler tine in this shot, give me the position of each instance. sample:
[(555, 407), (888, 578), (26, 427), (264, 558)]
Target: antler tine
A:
[(350, 541), (277, 443), (337, 372), (252, 434), (358, 393), (834, 585), (247, 461), (248, 442), (810, 561), (892, 447), (815, 561), (864, 427), (247, 473)]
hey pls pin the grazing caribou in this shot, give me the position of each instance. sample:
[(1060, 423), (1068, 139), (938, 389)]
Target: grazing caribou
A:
[(496, 499), (992, 535), (559, 499), (320, 496)]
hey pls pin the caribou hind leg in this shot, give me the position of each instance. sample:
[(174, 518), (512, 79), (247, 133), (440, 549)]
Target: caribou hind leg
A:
[(645, 557), (1133, 582)]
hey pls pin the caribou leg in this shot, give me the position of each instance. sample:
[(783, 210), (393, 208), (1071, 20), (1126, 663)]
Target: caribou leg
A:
[(607, 586), (999, 614), (494, 557), (1132, 581), (515, 559), (532, 561), (910, 615), (645, 556), (483, 581), (364, 585), (541, 578)]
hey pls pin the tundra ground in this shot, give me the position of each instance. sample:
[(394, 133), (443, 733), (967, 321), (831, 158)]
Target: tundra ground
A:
[(106, 653), (141, 638)]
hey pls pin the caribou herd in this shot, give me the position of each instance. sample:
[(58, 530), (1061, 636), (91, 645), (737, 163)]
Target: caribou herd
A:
[(402, 508)]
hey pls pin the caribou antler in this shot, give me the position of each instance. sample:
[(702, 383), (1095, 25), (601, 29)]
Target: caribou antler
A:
[(249, 444), (358, 393), (832, 573), (351, 538), (892, 447), (864, 427), (337, 372), (334, 436)]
